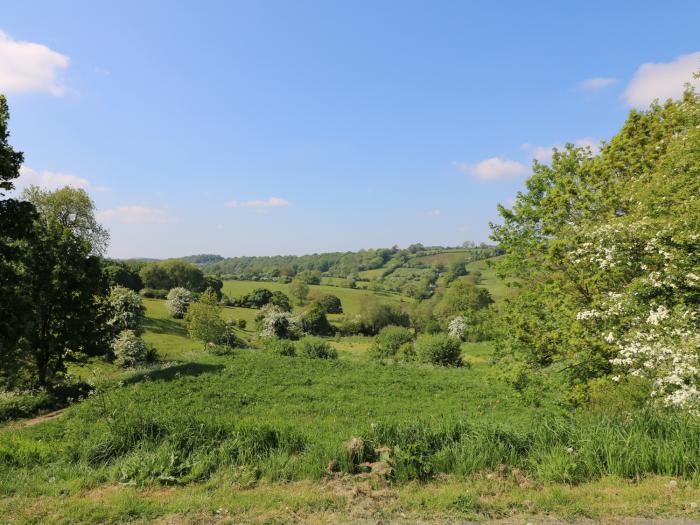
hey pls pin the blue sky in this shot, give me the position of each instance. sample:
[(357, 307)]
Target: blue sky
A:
[(253, 128)]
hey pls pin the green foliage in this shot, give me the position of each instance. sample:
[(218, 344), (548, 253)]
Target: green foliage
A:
[(315, 322), (375, 315), (299, 290), (130, 350), (330, 303), (204, 321), (152, 293), (176, 274), (126, 310), (283, 347), (390, 340), (120, 274), (438, 349), (73, 209), (178, 302), (316, 348), (605, 250)]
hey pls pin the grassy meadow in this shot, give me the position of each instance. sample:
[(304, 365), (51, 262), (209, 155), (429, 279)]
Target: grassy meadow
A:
[(199, 438)]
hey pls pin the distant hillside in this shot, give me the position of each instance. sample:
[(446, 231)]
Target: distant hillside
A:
[(204, 258)]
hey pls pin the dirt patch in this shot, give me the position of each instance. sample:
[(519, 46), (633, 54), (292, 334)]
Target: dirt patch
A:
[(22, 423)]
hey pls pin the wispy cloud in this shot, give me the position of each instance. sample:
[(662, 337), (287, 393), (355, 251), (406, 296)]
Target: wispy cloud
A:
[(134, 214), (27, 67), (596, 83), (272, 202), (543, 154), (493, 169), (50, 180), (662, 80), (431, 213)]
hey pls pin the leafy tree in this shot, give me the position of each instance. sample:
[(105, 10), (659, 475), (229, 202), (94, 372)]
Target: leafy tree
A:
[(154, 276), (126, 310), (204, 320), (299, 290), (309, 277), (605, 249), (330, 303), (16, 231), (178, 302), (184, 275), (73, 209), (122, 275), (62, 283), (376, 315), (280, 300), (315, 322)]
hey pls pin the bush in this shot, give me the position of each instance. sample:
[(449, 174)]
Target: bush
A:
[(179, 300), (153, 293), (280, 300), (376, 315), (130, 350), (280, 346), (316, 348), (242, 323), (126, 310), (257, 298), (204, 321), (389, 340), (330, 303), (315, 322), (274, 322), (229, 337), (406, 353), (438, 349)]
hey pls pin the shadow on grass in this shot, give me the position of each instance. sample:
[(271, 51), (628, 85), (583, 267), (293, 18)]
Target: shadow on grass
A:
[(173, 372), (164, 326)]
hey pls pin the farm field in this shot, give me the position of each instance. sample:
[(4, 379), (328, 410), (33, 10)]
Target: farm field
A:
[(351, 299)]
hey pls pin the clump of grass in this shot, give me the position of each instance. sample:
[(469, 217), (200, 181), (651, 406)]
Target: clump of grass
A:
[(316, 348)]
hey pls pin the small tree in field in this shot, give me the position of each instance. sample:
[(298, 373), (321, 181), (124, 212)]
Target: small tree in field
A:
[(299, 290), (178, 302), (204, 320)]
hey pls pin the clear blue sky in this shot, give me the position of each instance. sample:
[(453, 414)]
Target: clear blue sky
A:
[(249, 128)]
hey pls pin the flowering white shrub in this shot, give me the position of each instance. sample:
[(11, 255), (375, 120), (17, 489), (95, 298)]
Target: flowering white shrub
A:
[(126, 310), (130, 350), (457, 327), (178, 302), (275, 322), (650, 317)]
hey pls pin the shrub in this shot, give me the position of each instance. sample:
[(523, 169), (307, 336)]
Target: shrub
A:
[(274, 322), (315, 322), (316, 348), (153, 293), (350, 325), (280, 346), (406, 353), (257, 298), (126, 310), (179, 300), (376, 315), (130, 350), (389, 340), (280, 300), (330, 303), (438, 349), (242, 323)]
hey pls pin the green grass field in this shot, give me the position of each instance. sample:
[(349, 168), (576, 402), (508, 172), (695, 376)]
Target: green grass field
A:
[(202, 438), (445, 257), (350, 298)]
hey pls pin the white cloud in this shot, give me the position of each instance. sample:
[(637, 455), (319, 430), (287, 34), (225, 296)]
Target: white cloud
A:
[(272, 202), (596, 83), (28, 67), (495, 168), (134, 215), (102, 189), (431, 213), (663, 80), (543, 154), (49, 180)]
